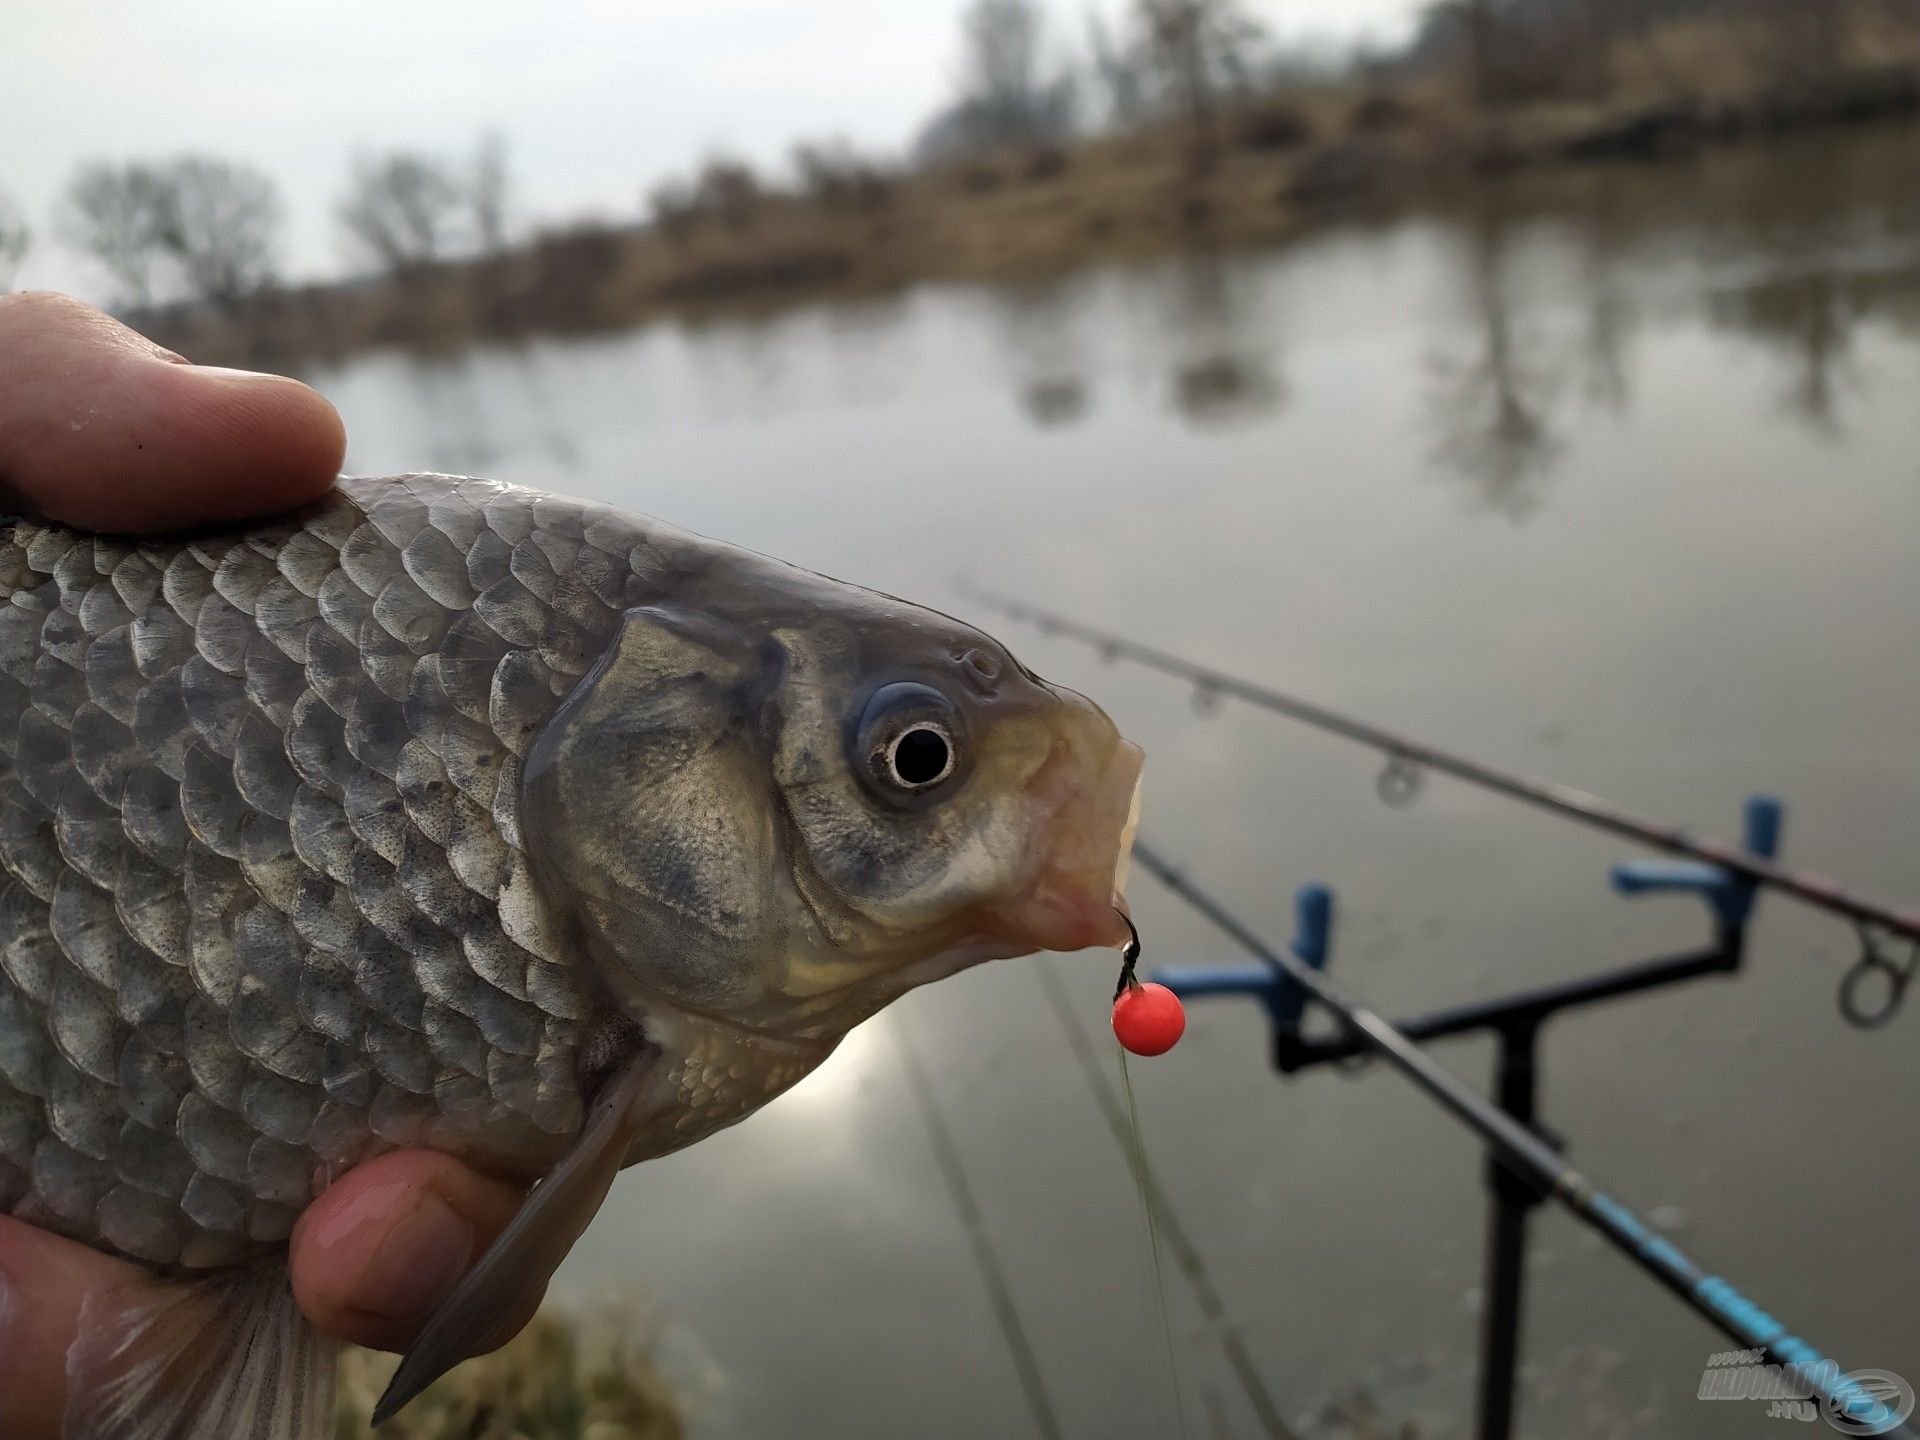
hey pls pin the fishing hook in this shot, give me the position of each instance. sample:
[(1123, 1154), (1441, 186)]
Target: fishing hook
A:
[(1399, 782), (1206, 699), (1874, 960), (1129, 957)]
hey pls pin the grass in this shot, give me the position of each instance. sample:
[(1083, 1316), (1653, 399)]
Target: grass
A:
[(562, 1379)]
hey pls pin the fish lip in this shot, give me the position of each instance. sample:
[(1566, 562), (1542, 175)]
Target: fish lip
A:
[(1077, 898)]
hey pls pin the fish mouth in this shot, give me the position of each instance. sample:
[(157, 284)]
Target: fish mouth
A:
[(1077, 898)]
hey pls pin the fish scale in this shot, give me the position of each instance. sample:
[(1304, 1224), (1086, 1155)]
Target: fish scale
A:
[(263, 900)]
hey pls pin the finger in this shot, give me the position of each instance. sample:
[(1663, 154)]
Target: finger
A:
[(43, 1281), (102, 429), (385, 1243)]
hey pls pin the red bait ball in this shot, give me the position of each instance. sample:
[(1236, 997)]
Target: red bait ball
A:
[(1148, 1019)]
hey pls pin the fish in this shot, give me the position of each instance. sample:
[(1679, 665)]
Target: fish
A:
[(453, 814)]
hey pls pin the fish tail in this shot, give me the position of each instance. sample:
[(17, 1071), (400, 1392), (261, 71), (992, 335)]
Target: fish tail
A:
[(230, 1355)]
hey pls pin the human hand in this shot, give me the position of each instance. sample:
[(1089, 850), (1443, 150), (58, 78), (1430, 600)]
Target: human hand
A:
[(101, 428)]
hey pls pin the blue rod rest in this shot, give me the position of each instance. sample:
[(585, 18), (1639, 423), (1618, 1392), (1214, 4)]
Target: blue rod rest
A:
[(1283, 998), (1729, 895)]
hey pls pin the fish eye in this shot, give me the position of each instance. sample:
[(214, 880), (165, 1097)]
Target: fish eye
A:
[(922, 756), (909, 741)]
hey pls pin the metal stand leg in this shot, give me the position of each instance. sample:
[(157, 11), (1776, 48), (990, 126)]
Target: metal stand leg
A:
[(1510, 1200)]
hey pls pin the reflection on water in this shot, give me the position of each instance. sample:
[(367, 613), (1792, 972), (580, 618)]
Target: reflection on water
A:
[(1224, 389), (1054, 402), (1208, 316), (1809, 319), (1493, 400), (1044, 348), (1223, 314), (1608, 476), (453, 401)]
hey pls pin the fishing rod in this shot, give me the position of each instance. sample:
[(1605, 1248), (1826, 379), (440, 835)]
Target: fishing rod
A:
[(1405, 756), (1536, 1163)]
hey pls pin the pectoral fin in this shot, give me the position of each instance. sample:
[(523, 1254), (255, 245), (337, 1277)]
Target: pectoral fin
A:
[(515, 1269)]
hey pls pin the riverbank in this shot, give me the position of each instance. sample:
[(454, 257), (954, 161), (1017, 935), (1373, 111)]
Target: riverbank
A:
[(1261, 173)]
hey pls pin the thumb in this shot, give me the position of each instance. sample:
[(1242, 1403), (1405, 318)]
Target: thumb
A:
[(390, 1239), (103, 429)]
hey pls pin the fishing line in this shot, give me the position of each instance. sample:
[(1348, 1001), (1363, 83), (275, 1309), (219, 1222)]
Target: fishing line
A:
[(1185, 1254), (1405, 757), (986, 1256), (1137, 1163), (1127, 1035)]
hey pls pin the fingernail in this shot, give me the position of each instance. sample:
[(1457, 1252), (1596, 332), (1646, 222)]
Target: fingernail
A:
[(422, 1257), (222, 372)]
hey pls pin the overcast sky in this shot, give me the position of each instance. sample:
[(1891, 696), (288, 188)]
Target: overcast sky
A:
[(597, 98)]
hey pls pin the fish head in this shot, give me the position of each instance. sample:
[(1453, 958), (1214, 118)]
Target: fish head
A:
[(788, 803), (947, 804)]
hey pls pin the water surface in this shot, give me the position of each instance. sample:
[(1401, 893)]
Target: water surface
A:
[(1611, 478)]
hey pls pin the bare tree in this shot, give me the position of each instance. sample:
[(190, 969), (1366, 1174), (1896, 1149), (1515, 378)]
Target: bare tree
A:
[(1010, 92), (1001, 62), (727, 186), (1471, 34), (1196, 51), (219, 226), (835, 174), (1478, 15), (489, 191), (117, 215), (197, 225), (673, 207), (1118, 69), (404, 210), (15, 238)]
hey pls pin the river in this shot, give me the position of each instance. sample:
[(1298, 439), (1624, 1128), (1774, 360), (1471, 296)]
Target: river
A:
[(1612, 477)]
